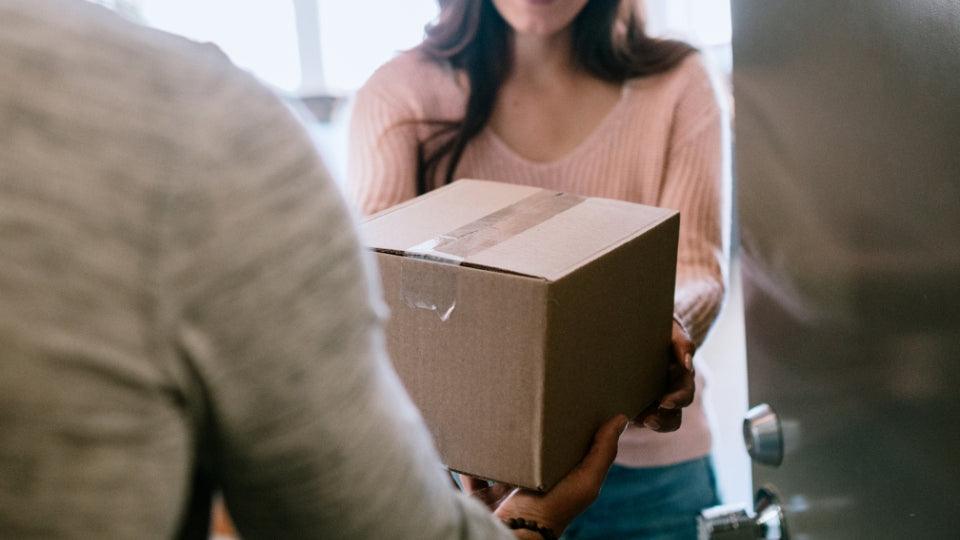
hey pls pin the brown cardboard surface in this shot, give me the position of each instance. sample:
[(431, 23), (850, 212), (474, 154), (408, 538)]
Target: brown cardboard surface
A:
[(544, 317), (608, 349), (475, 377)]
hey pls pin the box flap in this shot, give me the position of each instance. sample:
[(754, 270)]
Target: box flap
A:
[(508, 227)]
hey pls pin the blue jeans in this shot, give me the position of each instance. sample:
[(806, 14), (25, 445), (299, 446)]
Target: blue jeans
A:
[(655, 503)]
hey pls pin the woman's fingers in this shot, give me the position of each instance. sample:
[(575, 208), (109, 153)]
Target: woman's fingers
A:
[(667, 414), (683, 347), (661, 420), (680, 391), (681, 386), (664, 421)]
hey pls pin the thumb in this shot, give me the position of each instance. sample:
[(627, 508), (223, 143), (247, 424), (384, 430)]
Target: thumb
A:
[(578, 489), (604, 449), (589, 474)]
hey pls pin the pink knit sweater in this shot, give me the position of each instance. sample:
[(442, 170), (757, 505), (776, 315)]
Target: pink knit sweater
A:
[(660, 145)]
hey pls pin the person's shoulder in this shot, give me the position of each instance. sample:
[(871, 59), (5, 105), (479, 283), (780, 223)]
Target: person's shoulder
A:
[(186, 91), (696, 77), (413, 70), (103, 58), (122, 57), (689, 85), (690, 71), (414, 80), (693, 68), (104, 30)]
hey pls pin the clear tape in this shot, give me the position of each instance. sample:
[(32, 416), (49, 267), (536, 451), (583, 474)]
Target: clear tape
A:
[(435, 288), (430, 287)]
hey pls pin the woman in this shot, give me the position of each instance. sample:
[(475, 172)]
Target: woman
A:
[(571, 95)]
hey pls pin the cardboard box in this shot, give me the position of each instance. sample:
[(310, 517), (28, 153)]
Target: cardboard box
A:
[(523, 318)]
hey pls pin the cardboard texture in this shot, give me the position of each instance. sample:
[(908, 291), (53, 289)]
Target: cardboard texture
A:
[(522, 318)]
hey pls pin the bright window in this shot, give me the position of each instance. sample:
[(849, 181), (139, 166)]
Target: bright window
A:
[(702, 22), (357, 36), (259, 35), (301, 46), (344, 41)]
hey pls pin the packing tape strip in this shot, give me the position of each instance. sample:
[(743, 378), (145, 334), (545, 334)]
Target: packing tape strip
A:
[(437, 290), (455, 246)]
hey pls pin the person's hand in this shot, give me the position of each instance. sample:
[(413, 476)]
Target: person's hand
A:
[(490, 494), (556, 508), (666, 414)]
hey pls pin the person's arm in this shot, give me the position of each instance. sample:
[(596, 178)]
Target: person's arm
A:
[(692, 185), (311, 434), (382, 159)]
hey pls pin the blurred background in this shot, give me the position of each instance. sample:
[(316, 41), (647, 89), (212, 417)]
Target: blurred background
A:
[(321, 51)]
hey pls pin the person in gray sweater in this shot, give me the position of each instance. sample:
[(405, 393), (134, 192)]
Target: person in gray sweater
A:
[(184, 310)]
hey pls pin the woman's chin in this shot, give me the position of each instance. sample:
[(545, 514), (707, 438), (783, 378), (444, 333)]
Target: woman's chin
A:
[(538, 29)]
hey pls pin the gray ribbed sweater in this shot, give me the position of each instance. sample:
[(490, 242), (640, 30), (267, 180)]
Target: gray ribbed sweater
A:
[(183, 305)]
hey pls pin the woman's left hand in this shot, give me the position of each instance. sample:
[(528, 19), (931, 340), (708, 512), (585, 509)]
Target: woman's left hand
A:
[(665, 415)]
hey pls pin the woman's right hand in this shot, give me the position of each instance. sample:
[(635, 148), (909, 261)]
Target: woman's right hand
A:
[(556, 508)]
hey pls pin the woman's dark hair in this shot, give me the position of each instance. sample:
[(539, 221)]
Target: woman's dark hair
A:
[(472, 37)]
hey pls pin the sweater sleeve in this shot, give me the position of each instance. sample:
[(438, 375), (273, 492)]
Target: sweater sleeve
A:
[(382, 157), (692, 184), (311, 434)]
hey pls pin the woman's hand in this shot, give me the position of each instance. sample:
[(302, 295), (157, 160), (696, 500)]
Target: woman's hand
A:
[(666, 415), (556, 508)]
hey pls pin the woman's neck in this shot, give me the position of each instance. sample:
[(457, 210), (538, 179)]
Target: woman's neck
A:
[(542, 60)]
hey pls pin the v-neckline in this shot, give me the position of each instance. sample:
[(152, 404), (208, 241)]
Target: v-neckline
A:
[(611, 117)]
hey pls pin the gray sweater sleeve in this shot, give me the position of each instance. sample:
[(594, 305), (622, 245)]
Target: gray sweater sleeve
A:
[(275, 313)]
